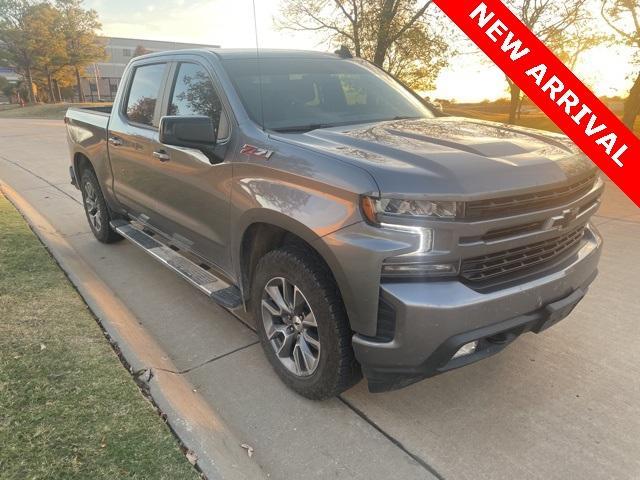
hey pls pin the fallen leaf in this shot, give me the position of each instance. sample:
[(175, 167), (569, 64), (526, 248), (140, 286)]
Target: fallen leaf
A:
[(192, 457), (146, 375), (42, 346), (248, 448)]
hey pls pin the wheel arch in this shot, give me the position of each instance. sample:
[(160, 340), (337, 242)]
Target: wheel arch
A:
[(80, 162), (259, 236)]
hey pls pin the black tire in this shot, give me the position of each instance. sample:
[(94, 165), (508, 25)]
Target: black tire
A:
[(95, 207), (336, 368)]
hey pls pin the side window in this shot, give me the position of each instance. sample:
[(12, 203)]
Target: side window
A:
[(193, 94), (144, 92)]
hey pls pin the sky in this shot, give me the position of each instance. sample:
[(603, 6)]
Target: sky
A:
[(471, 77)]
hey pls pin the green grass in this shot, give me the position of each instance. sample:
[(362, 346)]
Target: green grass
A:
[(8, 106), (68, 408), (53, 111)]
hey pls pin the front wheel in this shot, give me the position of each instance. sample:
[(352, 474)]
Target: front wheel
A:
[(302, 323), (95, 207)]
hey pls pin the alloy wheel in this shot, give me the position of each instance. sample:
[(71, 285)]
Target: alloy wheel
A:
[(92, 206), (291, 326)]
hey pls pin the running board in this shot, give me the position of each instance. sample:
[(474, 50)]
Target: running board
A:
[(226, 295)]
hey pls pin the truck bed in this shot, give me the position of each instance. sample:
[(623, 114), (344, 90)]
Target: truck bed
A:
[(93, 118), (100, 109)]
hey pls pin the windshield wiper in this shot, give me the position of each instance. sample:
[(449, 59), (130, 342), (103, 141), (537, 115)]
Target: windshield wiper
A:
[(304, 128), (315, 126), (405, 117)]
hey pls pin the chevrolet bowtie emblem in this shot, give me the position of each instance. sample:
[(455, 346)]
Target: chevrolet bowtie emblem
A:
[(562, 220)]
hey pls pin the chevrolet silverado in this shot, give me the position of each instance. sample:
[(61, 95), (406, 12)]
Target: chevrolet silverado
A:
[(360, 230)]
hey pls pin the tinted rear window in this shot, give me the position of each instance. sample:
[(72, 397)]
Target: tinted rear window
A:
[(144, 93)]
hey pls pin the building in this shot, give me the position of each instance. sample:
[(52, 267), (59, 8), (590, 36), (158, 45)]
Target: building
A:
[(101, 80), (12, 77), (10, 74)]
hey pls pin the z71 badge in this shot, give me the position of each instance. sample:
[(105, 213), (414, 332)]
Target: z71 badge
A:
[(256, 152)]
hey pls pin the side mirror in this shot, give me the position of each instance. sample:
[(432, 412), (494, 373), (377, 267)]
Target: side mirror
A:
[(197, 132)]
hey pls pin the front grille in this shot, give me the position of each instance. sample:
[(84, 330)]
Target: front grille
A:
[(518, 261), (512, 231), (530, 202)]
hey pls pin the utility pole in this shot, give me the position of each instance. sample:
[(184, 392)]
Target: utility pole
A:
[(95, 73), (58, 88)]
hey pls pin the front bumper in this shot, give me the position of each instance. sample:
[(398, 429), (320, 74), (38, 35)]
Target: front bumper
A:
[(434, 319)]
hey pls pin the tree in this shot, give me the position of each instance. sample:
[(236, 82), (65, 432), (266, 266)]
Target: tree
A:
[(51, 56), (623, 16), (7, 89), (142, 111), (397, 35), (79, 27), (22, 34), (4, 86), (64, 79), (552, 22), (580, 38), (140, 50), (13, 90), (199, 95)]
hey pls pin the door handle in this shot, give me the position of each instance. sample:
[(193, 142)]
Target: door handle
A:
[(116, 141), (162, 156)]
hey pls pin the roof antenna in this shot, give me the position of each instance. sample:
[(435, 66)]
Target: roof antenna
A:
[(344, 52), (260, 93)]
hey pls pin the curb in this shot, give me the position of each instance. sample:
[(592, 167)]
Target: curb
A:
[(196, 423)]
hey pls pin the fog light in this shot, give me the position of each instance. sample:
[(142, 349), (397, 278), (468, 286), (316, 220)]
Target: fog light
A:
[(418, 269), (466, 349)]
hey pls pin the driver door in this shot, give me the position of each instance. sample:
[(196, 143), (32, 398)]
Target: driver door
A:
[(192, 192)]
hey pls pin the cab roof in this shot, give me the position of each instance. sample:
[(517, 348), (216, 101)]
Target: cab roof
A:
[(250, 53)]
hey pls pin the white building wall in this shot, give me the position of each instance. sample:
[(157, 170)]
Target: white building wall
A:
[(119, 52)]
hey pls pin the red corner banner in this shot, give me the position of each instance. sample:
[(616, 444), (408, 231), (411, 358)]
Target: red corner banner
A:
[(553, 87)]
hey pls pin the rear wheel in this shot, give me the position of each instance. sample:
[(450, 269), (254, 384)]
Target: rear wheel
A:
[(302, 323), (95, 207)]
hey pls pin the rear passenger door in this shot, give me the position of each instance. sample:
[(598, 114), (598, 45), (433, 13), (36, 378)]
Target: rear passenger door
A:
[(133, 138)]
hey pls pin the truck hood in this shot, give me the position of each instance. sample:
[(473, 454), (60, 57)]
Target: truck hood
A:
[(451, 157)]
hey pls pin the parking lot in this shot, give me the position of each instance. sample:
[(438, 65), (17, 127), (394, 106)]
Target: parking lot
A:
[(559, 405)]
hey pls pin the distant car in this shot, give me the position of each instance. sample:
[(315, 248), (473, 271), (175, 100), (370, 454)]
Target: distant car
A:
[(364, 231)]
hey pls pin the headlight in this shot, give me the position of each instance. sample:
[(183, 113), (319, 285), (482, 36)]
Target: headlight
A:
[(381, 213), (424, 236), (375, 209), (386, 213)]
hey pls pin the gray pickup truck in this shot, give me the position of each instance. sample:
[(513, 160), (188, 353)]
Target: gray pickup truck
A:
[(357, 228)]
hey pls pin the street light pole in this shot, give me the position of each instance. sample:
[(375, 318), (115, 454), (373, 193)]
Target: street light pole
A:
[(95, 73)]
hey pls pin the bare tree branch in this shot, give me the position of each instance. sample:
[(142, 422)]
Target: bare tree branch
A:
[(391, 33), (413, 20)]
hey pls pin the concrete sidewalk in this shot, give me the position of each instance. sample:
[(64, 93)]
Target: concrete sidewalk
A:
[(563, 404)]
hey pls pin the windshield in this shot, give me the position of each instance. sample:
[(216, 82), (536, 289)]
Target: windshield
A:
[(304, 94)]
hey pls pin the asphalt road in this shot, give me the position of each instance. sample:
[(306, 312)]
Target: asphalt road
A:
[(564, 404)]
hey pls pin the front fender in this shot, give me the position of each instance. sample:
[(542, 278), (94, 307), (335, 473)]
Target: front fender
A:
[(308, 194), (323, 248), (309, 209)]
